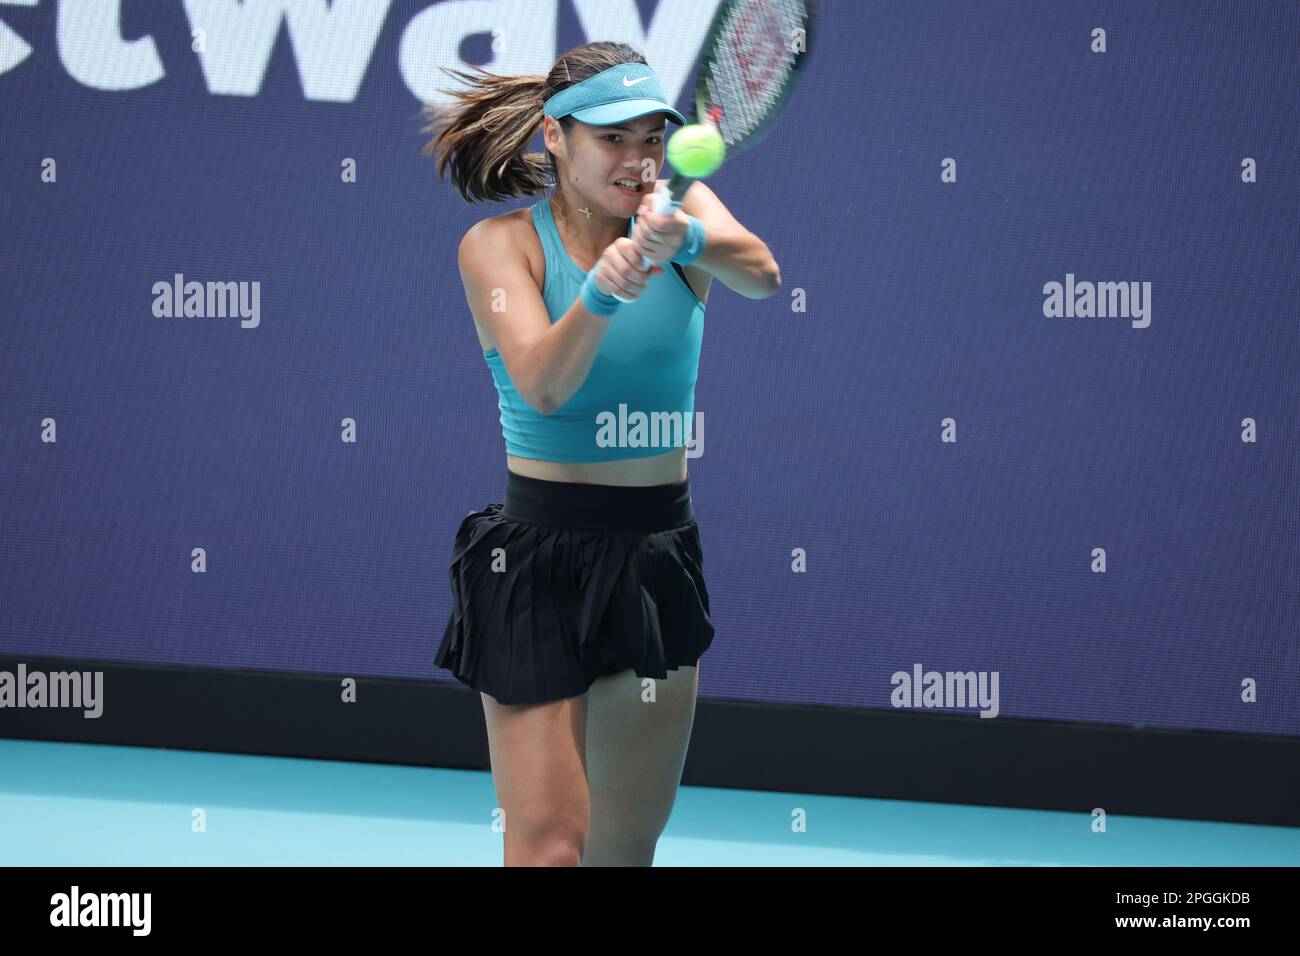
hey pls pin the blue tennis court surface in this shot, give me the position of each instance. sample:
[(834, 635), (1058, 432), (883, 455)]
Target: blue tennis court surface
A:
[(64, 804)]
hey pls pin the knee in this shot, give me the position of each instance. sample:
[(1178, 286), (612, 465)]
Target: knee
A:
[(545, 843), (556, 853)]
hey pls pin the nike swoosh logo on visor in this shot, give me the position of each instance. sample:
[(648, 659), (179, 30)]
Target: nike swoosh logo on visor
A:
[(634, 82)]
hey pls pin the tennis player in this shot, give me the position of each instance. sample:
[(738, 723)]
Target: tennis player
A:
[(578, 597)]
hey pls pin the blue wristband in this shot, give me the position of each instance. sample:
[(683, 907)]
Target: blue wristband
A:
[(596, 301), (694, 243)]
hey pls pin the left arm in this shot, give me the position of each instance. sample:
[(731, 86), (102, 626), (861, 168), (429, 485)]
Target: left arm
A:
[(733, 254)]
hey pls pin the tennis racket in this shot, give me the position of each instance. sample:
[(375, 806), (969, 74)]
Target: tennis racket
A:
[(751, 57)]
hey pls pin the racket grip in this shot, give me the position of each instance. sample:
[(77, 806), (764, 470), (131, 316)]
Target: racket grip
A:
[(664, 204)]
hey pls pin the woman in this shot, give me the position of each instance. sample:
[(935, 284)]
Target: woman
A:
[(576, 598)]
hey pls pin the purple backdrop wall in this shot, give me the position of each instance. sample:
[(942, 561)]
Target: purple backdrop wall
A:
[(909, 299)]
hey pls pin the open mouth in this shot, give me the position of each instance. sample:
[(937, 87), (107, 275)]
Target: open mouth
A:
[(629, 186)]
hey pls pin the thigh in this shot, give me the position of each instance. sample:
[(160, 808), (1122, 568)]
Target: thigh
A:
[(636, 750), (538, 769)]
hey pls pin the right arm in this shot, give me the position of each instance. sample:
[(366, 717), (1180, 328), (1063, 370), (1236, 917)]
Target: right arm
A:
[(547, 362)]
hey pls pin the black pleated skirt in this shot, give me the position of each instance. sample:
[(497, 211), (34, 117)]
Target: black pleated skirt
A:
[(565, 582)]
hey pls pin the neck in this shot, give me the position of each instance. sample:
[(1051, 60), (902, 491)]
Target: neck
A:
[(589, 235)]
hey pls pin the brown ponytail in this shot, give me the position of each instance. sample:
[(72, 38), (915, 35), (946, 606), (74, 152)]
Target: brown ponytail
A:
[(483, 134)]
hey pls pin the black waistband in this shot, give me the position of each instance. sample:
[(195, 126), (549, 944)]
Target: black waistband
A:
[(567, 504)]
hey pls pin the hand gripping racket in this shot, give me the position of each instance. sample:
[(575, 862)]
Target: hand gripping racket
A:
[(750, 59)]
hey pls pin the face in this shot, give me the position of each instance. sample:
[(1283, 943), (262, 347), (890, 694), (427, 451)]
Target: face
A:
[(594, 158)]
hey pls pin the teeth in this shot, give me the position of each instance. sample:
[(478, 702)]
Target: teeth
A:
[(626, 182)]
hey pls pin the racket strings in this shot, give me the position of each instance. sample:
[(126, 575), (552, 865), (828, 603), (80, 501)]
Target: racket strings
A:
[(751, 63)]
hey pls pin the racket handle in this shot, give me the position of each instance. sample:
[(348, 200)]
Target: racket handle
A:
[(664, 204), (667, 201)]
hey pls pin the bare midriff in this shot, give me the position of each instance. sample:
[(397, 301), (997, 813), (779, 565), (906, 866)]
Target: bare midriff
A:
[(666, 469)]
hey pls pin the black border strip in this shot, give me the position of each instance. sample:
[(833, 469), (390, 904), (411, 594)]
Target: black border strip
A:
[(898, 755)]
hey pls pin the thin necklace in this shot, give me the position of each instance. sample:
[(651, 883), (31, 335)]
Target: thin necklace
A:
[(584, 210)]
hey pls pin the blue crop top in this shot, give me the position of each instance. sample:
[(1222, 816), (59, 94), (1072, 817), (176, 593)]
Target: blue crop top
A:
[(638, 399)]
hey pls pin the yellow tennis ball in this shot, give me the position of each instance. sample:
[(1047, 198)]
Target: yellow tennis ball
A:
[(696, 150)]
